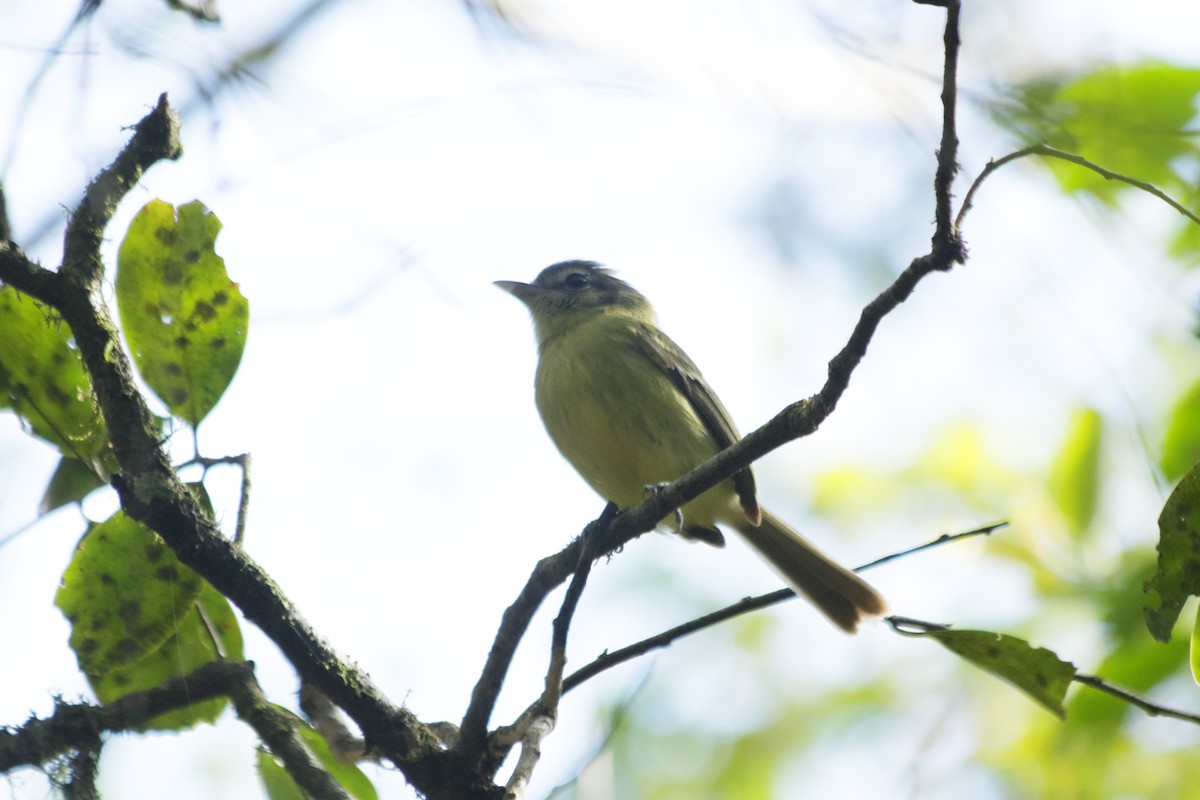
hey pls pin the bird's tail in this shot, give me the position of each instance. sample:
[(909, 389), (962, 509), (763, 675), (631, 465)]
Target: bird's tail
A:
[(843, 596)]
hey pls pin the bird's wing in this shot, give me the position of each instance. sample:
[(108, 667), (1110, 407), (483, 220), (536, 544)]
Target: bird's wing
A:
[(684, 373)]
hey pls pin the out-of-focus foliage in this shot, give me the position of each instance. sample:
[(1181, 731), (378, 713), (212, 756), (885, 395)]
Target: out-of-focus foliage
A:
[(1181, 445), (1075, 472), (1096, 751), (1178, 575), (1137, 120)]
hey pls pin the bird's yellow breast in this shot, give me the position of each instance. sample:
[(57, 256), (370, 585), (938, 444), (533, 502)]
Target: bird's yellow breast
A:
[(619, 419)]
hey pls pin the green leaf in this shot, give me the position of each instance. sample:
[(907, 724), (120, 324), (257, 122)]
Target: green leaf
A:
[(1178, 575), (207, 631), (71, 482), (276, 780), (124, 592), (279, 783), (185, 320), (352, 779), (1133, 662), (1075, 472), (1195, 649), (42, 378), (1134, 119), (1181, 444), (1034, 670)]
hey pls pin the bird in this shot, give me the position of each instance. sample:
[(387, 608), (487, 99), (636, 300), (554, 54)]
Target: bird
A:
[(630, 410)]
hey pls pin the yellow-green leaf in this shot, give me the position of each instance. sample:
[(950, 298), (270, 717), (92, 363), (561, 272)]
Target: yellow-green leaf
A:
[(71, 482), (275, 779), (206, 631), (1195, 650), (1181, 444), (42, 378), (279, 783), (124, 593), (1075, 472), (1178, 575), (1134, 119), (185, 320)]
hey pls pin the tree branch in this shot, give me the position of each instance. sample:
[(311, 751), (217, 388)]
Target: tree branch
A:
[(155, 138), (279, 731), (74, 729), (77, 726), (151, 492)]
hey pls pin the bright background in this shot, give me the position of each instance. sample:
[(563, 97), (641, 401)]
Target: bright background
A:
[(759, 170)]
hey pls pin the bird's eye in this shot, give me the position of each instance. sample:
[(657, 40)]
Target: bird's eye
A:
[(576, 280)]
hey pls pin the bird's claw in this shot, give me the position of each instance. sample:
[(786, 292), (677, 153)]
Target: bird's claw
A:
[(655, 489)]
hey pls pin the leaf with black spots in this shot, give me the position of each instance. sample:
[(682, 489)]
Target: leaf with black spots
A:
[(1036, 671), (124, 594), (184, 319)]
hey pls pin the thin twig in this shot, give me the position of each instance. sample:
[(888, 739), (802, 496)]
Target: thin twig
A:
[(745, 606), (907, 626), (242, 462), (5, 224), (1145, 704), (531, 752), (239, 531), (546, 576), (1046, 151), (945, 538), (539, 719)]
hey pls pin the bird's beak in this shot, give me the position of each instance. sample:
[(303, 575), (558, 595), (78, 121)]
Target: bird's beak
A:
[(521, 291)]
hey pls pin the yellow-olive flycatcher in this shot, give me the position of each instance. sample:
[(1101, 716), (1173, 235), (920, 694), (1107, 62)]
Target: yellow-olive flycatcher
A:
[(628, 408)]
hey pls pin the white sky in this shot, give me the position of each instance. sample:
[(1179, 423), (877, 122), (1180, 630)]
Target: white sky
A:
[(377, 177)]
